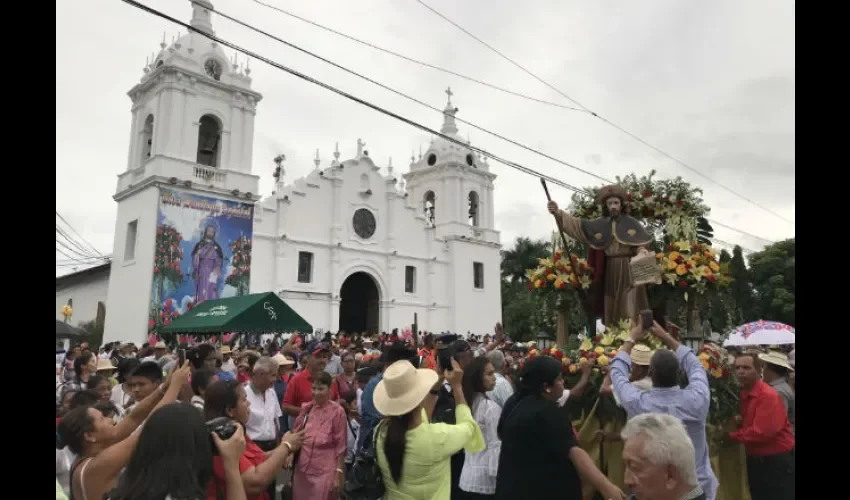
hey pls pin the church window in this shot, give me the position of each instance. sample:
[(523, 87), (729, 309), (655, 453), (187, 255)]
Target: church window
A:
[(470, 160), (478, 275), (364, 182), (409, 279), (130, 241), (428, 207), (432, 159), (147, 138), (209, 141), (159, 63), (473, 208), (305, 267)]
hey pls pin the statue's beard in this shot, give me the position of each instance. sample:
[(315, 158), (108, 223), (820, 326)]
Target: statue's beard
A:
[(614, 213)]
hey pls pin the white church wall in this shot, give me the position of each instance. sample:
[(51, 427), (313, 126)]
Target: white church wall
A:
[(476, 310), (131, 275)]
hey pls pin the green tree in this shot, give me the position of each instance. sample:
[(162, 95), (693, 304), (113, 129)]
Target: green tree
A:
[(741, 288), (524, 255), (773, 276)]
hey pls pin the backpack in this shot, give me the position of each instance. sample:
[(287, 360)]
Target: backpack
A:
[(364, 481)]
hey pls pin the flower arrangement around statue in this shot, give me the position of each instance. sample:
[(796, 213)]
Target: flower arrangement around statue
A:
[(691, 266), (564, 271), (671, 203), (240, 276), (722, 383)]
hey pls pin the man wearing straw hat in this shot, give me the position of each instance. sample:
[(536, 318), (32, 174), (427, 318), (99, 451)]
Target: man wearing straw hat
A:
[(613, 239), (775, 373)]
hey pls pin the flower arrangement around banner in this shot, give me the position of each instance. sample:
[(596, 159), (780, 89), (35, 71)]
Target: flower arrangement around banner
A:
[(240, 264), (692, 266), (564, 271), (168, 254), (722, 383)]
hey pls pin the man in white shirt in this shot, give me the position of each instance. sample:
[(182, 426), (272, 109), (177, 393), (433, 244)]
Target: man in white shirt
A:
[(503, 389), (264, 409)]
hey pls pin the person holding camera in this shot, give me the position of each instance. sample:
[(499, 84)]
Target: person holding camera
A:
[(413, 452), (104, 448), (258, 469), (174, 458)]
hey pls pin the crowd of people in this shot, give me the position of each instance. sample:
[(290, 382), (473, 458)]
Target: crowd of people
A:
[(431, 416)]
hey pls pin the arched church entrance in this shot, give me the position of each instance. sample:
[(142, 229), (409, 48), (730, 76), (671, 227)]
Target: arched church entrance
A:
[(359, 306)]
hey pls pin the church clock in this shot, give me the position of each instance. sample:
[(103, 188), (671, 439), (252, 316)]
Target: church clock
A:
[(213, 69), (364, 223)]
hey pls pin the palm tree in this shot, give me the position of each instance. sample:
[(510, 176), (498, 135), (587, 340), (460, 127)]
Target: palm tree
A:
[(522, 256)]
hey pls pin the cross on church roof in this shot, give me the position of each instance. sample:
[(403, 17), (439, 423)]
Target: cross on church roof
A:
[(450, 94)]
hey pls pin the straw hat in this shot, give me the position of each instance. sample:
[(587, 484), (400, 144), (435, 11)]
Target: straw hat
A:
[(104, 364), (160, 345), (641, 354), (225, 349), (282, 360), (402, 388), (776, 358)]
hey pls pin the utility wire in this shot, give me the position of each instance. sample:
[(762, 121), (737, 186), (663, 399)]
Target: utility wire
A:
[(605, 120), (415, 61), (421, 103), (358, 100), (402, 94), (78, 234), (77, 247)]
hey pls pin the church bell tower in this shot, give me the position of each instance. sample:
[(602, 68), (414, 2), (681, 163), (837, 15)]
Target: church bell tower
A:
[(191, 131)]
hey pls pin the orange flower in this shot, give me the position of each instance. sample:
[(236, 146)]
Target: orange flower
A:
[(681, 269), (671, 264), (706, 271), (704, 363), (714, 266)]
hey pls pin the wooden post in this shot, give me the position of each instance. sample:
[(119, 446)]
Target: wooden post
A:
[(415, 328)]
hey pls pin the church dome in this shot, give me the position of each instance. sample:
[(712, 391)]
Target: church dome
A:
[(442, 151)]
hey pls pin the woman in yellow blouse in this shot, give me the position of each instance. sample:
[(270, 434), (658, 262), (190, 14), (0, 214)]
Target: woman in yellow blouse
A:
[(414, 454)]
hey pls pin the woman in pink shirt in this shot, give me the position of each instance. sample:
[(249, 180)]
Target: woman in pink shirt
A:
[(320, 468)]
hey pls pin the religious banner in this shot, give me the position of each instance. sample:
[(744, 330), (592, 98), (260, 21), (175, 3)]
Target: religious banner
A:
[(202, 252)]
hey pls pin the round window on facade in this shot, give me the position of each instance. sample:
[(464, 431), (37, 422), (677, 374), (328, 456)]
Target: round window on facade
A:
[(432, 159)]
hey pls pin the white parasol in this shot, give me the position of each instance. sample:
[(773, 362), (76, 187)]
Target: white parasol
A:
[(761, 333)]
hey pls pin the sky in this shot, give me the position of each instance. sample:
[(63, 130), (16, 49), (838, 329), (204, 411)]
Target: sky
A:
[(711, 83)]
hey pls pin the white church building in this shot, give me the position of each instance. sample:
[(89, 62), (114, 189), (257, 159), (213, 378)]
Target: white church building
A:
[(352, 246)]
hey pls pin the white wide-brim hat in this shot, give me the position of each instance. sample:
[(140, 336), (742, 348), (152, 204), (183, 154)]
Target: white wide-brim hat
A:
[(402, 388), (776, 358), (282, 360)]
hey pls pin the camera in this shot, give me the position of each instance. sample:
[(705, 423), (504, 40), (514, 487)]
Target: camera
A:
[(446, 350), (223, 427)]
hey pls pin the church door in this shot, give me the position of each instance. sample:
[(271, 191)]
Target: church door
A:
[(359, 308)]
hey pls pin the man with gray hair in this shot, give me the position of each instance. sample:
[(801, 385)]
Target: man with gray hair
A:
[(264, 410), (659, 459), (503, 389)]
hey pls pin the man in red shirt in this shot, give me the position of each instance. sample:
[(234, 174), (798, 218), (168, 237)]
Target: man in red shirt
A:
[(765, 433), (300, 388)]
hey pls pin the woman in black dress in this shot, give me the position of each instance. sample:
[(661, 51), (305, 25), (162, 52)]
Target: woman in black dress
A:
[(540, 457)]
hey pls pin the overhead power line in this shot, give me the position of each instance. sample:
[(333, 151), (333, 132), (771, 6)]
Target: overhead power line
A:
[(605, 120), (353, 98), (424, 104), (415, 61), (78, 234)]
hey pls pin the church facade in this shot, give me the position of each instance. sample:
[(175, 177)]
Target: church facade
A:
[(353, 245)]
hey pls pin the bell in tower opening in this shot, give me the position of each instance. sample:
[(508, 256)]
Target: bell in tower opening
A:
[(209, 139), (473, 208)]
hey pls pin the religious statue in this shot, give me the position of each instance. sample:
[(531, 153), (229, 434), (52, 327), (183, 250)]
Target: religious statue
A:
[(613, 239), (207, 262)]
